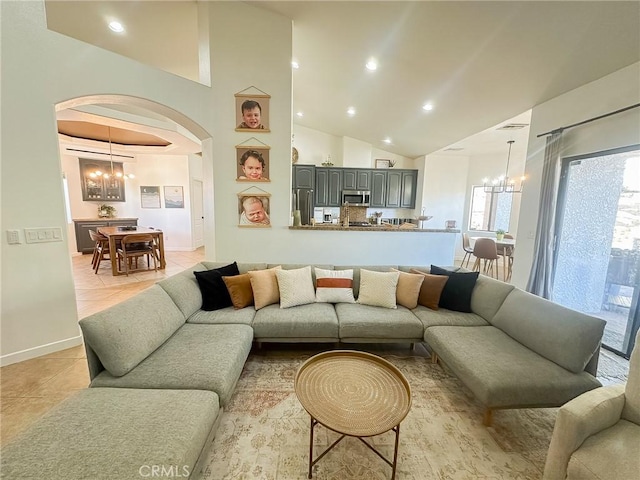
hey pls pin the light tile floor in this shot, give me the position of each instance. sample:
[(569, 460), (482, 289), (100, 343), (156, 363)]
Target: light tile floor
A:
[(29, 389)]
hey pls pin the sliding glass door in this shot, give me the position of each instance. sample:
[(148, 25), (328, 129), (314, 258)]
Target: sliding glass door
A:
[(597, 247)]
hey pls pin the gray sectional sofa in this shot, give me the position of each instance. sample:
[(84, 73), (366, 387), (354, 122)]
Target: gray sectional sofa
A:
[(162, 370)]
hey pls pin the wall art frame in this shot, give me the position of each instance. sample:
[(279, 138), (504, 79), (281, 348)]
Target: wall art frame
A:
[(252, 107), (150, 196), (173, 197)]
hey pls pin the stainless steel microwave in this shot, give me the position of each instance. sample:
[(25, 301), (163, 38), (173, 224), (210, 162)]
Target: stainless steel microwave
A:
[(356, 198)]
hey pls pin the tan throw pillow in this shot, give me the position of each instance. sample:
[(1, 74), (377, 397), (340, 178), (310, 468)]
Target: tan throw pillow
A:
[(264, 284), (296, 287), (408, 289), (240, 290), (334, 286), (378, 288), (431, 289)]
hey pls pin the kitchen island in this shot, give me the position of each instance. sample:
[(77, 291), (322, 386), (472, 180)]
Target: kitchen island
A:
[(373, 245)]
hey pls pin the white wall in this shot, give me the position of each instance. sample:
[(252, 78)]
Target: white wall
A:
[(356, 153), (615, 91), (313, 146)]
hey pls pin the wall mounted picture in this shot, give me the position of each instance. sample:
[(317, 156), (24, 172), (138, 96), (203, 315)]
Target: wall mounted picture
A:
[(150, 197), (173, 197), (253, 210), (252, 163), (383, 163), (252, 111)]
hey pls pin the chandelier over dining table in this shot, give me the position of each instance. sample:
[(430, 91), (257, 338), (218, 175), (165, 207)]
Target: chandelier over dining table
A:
[(112, 173), (503, 183)]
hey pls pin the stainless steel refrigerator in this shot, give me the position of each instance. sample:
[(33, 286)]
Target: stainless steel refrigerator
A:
[(303, 202)]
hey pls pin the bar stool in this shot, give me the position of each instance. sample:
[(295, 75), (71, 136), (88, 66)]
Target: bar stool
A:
[(100, 249), (485, 249)]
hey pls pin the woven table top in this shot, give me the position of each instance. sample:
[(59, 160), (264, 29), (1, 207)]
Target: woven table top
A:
[(355, 393)]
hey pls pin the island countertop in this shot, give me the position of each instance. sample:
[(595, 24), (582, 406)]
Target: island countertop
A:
[(374, 228)]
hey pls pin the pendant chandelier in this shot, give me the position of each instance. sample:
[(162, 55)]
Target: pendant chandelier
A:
[(504, 184), (118, 174)]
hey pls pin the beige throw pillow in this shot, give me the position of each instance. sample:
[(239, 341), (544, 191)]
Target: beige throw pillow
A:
[(296, 287), (378, 288), (334, 286), (264, 284), (408, 289)]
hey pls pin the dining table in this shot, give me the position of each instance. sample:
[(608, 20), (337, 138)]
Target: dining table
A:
[(508, 245), (114, 234)]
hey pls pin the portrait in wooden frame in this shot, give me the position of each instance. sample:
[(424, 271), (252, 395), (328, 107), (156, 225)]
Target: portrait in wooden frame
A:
[(252, 112), (253, 210), (252, 163)]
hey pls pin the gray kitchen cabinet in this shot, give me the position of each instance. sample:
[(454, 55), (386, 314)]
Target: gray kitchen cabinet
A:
[(304, 176), (356, 179), (83, 240), (106, 187), (378, 188), (401, 188), (328, 191), (394, 187)]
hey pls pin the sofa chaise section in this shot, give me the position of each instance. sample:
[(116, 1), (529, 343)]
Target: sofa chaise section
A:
[(107, 433)]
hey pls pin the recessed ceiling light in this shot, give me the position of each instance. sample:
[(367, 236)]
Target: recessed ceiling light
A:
[(427, 107), (116, 27), (295, 64), (351, 111), (300, 114), (372, 64), (387, 141)]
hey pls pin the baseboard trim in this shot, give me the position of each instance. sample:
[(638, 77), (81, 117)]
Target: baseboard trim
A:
[(38, 351)]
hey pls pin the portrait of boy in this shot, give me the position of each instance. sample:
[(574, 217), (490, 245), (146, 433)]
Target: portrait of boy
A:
[(254, 211), (253, 164), (252, 113)]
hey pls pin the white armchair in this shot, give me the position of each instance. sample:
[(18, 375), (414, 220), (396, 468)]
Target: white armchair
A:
[(597, 434)]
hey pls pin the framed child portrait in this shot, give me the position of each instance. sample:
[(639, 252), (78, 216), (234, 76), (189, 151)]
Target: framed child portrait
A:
[(252, 163), (253, 210), (252, 112)]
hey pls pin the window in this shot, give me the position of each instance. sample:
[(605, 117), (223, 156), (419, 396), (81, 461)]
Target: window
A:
[(489, 211)]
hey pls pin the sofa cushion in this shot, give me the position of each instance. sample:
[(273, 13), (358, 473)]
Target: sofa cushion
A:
[(240, 290), (127, 333), (214, 292), (295, 286), (296, 266), (111, 433), (197, 357), (456, 294), (408, 289), (264, 284), (488, 295), (306, 322), (442, 316), (431, 289), (378, 289), (631, 410), (502, 372), (368, 322), (334, 286), (356, 273), (550, 329), (229, 315), (184, 291)]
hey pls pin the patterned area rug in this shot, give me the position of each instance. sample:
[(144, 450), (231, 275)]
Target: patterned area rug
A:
[(264, 432)]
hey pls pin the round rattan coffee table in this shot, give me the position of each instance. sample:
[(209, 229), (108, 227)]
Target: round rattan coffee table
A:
[(355, 394)]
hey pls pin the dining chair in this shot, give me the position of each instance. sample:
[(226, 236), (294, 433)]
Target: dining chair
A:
[(506, 252), (134, 246), (468, 249), (100, 249), (486, 254)]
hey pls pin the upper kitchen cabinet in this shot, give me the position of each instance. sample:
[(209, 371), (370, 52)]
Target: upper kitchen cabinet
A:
[(304, 176), (356, 179), (378, 189), (328, 192), (100, 180), (401, 188)]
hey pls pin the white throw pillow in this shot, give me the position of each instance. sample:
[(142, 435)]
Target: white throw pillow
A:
[(334, 286), (296, 287), (378, 288)]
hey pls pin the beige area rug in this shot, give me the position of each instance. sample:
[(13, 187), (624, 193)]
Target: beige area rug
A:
[(264, 432)]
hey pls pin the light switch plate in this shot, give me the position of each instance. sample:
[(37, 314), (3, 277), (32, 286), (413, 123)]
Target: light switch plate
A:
[(43, 235), (13, 237)]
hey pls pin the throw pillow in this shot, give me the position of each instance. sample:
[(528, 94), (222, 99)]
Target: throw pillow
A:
[(296, 287), (408, 288), (214, 292), (378, 288), (431, 289), (334, 286), (456, 294), (240, 291), (265, 287)]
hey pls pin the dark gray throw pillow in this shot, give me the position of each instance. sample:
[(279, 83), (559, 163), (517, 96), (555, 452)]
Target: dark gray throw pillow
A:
[(456, 294), (214, 291)]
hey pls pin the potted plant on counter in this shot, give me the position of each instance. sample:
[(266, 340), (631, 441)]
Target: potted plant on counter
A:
[(106, 211), (500, 234)]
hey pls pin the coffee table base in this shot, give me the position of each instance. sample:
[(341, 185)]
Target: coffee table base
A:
[(312, 462)]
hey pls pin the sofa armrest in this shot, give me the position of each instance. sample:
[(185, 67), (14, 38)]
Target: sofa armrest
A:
[(579, 419)]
